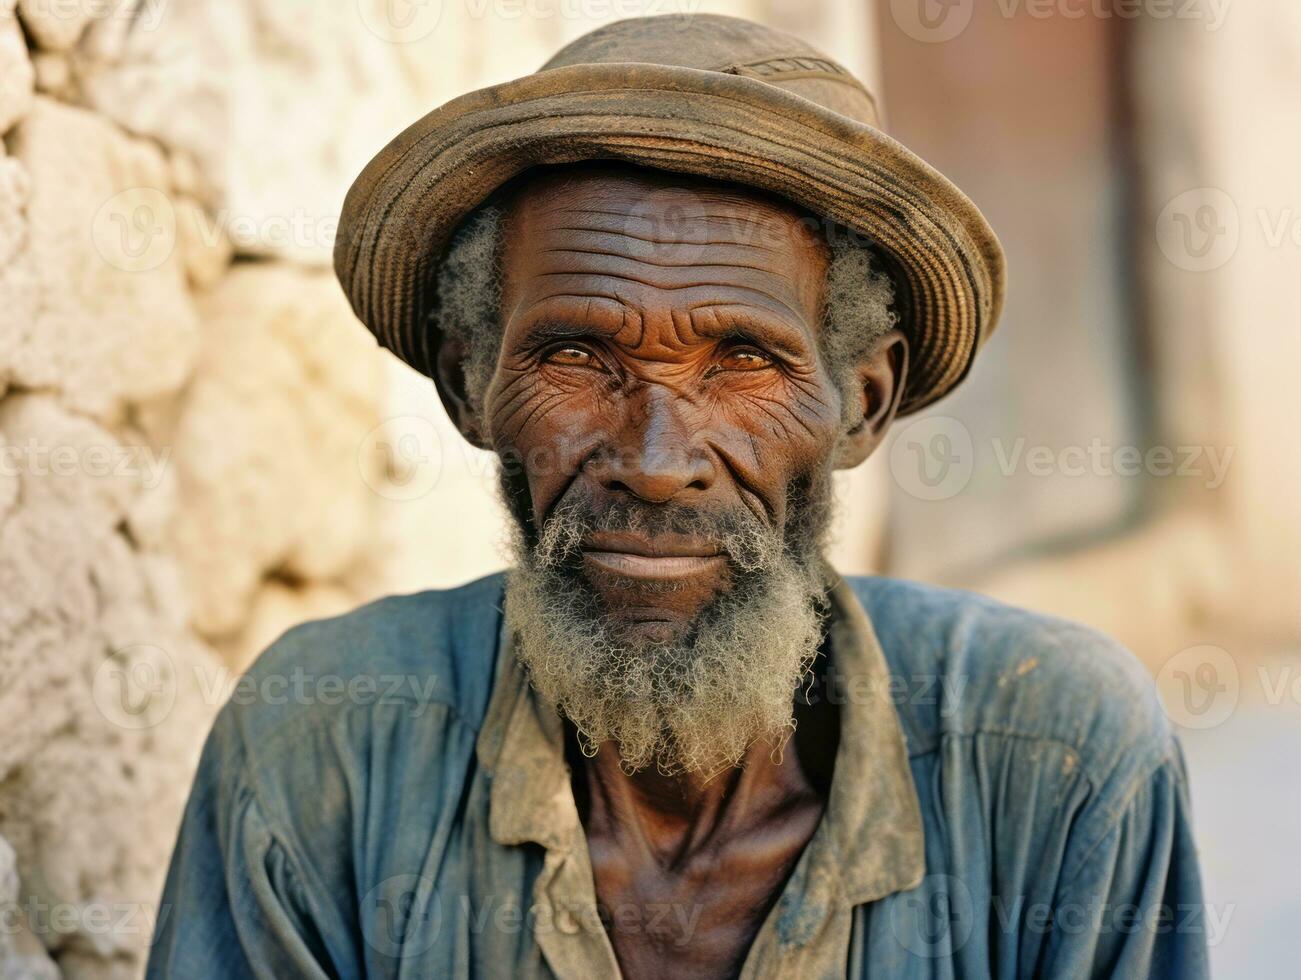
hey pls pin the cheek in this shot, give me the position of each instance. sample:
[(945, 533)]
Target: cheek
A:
[(545, 428), (781, 429)]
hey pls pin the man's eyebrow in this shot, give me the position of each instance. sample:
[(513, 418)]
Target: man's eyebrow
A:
[(563, 328), (717, 322), (750, 324)]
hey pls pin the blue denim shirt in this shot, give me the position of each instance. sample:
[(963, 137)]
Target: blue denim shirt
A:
[(385, 796)]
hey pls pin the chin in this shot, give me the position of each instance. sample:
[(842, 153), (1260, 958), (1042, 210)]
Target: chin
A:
[(652, 632)]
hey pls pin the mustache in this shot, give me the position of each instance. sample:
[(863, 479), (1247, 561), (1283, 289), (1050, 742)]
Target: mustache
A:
[(747, 543)]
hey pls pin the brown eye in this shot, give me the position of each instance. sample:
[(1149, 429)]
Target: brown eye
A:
[(744, 359), (572, 357)]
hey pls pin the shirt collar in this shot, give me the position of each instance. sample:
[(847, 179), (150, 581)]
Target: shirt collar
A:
[(869, 844)]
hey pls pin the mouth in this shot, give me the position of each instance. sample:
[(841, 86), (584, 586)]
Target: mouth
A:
[(665, 558)]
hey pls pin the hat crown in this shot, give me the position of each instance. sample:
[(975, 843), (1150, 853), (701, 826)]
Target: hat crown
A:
[(712, 42)]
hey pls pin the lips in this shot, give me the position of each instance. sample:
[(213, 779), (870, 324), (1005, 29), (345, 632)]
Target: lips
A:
[(662, 558)]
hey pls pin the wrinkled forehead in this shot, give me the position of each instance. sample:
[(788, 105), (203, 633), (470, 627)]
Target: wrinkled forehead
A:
[(650, 238)]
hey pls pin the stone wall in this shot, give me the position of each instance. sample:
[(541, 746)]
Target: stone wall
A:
[(1217, 238), (183, 398)]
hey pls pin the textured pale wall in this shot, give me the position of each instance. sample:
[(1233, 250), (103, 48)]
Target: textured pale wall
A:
[(183, 466), (1218, 239), (95, 645), (1246, 110), (200, 447)]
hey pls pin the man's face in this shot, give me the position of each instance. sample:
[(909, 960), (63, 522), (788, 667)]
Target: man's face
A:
[(660, 373), (667, 419)]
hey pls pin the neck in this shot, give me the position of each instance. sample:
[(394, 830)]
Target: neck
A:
[(673, 816)]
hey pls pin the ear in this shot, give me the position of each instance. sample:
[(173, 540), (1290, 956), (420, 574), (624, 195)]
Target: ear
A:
[(880, 382), (449, 379)]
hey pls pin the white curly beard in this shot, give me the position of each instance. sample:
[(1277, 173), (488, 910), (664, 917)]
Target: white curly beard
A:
[(695, 705)]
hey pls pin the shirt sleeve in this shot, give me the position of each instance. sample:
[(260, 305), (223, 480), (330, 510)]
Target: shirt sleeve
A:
[(1133, 906), (233, 905)]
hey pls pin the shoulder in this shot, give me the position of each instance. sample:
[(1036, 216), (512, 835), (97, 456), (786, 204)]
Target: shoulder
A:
[(346, 731), (999, 671), (430, 648)]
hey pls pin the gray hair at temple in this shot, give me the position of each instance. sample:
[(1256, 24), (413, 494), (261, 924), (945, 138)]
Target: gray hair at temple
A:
[(857, 302)]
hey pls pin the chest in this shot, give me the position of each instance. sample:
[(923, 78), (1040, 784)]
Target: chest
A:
[(700, 916)]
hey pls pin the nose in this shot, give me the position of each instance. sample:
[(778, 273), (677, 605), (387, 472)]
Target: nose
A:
[(654, 456)]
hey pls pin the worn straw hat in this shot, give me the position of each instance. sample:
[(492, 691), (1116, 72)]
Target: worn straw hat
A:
[(711, 96)]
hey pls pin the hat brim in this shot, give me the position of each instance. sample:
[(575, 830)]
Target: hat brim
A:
[(402, 210)]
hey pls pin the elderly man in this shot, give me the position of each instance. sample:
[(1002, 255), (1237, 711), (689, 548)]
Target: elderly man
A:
[(673, 281)]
